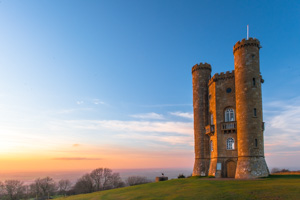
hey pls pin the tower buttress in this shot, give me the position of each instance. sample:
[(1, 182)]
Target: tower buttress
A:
[(201, 74)]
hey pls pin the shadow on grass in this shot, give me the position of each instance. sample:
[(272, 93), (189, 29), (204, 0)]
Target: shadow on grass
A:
[(292, 176)]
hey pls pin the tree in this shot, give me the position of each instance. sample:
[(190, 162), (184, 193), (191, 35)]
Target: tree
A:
[(115, 181), (45, 186), (136, 180), (64, 185), (14, 189), (84, 184), (2, 190), (274, 170), (97, 176), (106, 176)]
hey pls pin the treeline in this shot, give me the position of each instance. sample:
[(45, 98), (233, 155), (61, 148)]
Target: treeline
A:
[(284, 170), (44, 188)]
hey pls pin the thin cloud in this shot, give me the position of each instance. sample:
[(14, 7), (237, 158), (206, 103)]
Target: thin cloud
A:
[(98, 102), (151, 115), (75, 145), (282, 133), (132, 126), (79, 102), (75, 158), (166, 105), (183, 114), (171, 139)]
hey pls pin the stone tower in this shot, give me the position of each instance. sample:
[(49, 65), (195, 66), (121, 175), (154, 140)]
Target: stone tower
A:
[(201, 76), (228, 118), (251, 161)]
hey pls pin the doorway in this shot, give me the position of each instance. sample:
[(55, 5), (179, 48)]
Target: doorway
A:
[(231, 169)]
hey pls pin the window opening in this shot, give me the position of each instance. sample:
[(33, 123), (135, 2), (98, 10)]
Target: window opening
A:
[(230, 143), (229, 115), (254, 112), (211, 119), (255, 142), (211, 145), (253, 81)]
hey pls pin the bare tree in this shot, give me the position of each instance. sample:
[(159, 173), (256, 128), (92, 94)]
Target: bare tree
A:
[(2, 190), (14, 189), (64, 185), (84, 184), (106, 176), (115, 181), (136, 180), (46, 186), (274, 170), (97, 176), (34, 189)]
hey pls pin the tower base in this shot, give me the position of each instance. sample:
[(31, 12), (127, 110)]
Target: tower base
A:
[(251, 167), (201, 167)]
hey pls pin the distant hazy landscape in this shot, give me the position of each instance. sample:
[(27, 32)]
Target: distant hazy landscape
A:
[(29, 177)]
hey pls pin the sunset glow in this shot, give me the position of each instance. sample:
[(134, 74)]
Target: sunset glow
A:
[(87, 84)]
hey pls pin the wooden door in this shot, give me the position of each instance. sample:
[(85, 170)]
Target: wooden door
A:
[(231, 169)]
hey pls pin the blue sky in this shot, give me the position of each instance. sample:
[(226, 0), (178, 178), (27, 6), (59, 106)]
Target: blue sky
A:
[(83, 79)]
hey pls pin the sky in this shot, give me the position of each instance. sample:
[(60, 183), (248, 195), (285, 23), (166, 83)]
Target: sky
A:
[(87, 84)]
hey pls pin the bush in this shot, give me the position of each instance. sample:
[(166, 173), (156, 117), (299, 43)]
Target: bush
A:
[(181, 176), (137, 180), (278, 170)]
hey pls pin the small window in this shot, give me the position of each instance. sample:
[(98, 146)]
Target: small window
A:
[(230, 143), (254, 112), (228, 90), (253, 81), (229, 115), (255, 142), (211, 145), (211, 119)]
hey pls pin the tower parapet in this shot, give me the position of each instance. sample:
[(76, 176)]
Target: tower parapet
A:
[(245, 43), (222, 76)]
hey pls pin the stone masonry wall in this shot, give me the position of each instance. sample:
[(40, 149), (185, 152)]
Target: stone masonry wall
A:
[(251, 162), (201, 75)]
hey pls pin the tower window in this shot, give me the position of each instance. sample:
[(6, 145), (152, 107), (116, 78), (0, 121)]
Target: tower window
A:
[(211, 145), (254, 112), (230, 143), (229, 115), (211, 119), (253, 81), (228, 90), (255, 142)]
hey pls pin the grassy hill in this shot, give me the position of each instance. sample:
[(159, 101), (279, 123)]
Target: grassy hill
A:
[(274, 187)]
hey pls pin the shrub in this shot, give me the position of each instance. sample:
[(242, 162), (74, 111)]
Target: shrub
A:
[(181, 176)]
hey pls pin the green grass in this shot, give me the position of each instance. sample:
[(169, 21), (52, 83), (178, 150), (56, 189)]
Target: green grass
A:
[(273, 187)]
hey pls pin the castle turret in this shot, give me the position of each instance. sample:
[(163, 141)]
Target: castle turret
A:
[(251, 161), (201, 74)]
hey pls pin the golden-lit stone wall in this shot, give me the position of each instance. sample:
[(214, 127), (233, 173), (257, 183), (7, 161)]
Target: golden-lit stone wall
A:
[(201, 74), (222, 96), (251, 162)]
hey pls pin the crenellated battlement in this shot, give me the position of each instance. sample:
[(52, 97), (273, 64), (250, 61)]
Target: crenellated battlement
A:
[(244, 43), (201, 66), (222, 76)]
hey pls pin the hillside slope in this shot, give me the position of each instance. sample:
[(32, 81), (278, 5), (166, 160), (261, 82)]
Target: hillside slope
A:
[(275, 187)]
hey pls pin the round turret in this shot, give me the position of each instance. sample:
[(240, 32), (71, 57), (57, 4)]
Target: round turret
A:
[(201, 74), (249, 116)]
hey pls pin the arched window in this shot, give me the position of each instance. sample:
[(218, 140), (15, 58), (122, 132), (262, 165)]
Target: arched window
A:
[(211, 145), (230, 143), (229, 115)]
